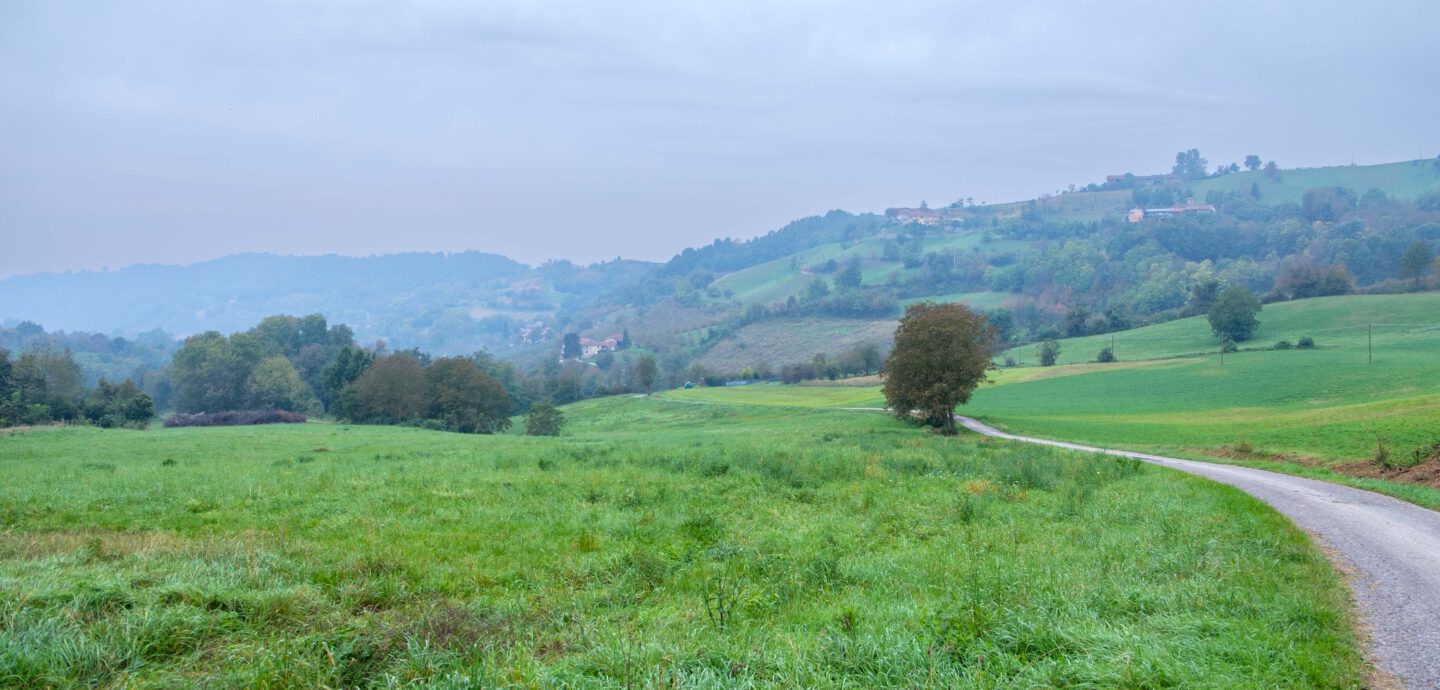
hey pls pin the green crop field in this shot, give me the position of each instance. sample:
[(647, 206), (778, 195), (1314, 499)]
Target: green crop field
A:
[(658, 544)]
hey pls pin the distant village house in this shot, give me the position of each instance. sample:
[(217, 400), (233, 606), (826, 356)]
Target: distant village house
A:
[(1139, 214), (590, 347)]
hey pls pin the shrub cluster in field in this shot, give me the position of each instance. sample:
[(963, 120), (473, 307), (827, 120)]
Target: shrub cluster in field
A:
[(724, 547), (235, 418)]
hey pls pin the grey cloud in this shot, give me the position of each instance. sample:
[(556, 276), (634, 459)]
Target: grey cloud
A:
[(176, 131)]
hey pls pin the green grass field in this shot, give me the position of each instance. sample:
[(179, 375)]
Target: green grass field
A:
[(659, 544), (1330, 404), (1334, 323), (1406, 180), (1301, 411)]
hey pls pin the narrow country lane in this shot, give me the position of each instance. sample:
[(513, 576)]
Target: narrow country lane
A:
[(1389, 548)]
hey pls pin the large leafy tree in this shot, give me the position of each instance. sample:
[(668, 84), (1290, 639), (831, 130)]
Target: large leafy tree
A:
[(464, 399), (391, 390), (1232, 316), (349, 363), (941, 354), (276, 383), (210, 373)]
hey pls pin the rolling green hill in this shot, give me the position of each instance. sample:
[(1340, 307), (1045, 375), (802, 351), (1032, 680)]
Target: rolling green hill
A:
[(1406, 180), (1334, 322)]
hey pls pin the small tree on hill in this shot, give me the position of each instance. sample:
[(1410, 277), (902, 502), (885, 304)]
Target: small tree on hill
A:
[(1233, 314), (1189, 165), (1252, 162), (544, 419), (941, 354), (1049, 352), (1416, 262), (849, 279), (645, 373)]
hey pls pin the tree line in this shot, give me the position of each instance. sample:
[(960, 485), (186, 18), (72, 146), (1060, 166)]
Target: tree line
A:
[(45, 385)]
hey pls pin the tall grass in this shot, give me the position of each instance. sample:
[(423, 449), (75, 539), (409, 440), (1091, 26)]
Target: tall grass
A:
[(660, 544)]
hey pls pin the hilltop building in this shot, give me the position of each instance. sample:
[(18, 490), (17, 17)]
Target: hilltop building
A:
[(590, 347), (923, 216)]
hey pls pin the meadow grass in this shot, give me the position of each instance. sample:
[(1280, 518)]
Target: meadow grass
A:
[(784, 396), (658, 544)]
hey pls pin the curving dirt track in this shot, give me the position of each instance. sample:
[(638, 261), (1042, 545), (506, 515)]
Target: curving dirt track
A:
[(1389, 548)]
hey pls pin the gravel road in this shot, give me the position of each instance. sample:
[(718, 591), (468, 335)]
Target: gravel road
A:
[(1390, 550)]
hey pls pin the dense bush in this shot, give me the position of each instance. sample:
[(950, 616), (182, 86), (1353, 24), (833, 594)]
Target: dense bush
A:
[(544, 419), (1306, 343), (235, 418)]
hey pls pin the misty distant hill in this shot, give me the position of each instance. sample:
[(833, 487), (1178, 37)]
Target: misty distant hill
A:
[(439, 302), (1066, 264)]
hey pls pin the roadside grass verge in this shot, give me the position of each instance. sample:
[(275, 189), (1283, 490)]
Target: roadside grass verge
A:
[(659, 543)]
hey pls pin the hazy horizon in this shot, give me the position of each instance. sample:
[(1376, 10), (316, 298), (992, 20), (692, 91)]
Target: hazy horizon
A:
[(171, 133)]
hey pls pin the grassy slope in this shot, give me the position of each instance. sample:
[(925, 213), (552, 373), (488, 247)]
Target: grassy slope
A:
[(1334, 322), (788, 340), (1320, 407), (1407, 180), (774, 281), (661, 543)]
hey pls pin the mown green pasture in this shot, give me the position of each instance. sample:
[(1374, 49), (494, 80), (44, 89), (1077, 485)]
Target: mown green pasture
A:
[(1332, 403), (658, 544)]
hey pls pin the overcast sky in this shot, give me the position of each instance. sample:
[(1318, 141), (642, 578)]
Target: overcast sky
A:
[(170, 132)]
